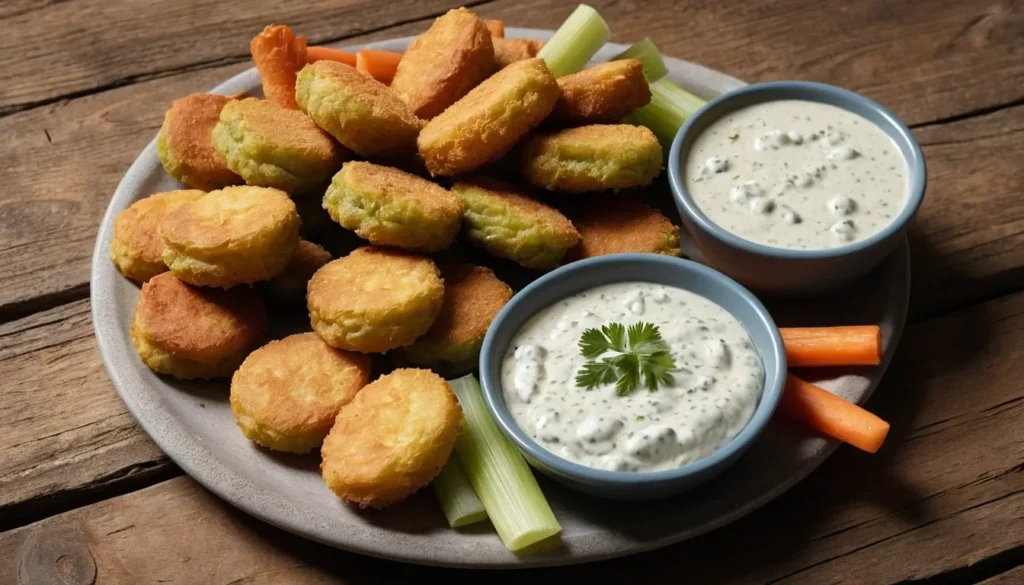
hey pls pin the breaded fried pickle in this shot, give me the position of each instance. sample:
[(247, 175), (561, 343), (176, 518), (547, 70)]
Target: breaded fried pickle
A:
[(390, 207), (286, 394), (617, 224), (602, 94), (137, 249), (190, 332), (508, 51), (185, 142), (444, 63), (489, 120), (510, 224), (392, 439), (272, 146), (291, 283), (593, 158), (374, 299), (237, 235), (359, 111)]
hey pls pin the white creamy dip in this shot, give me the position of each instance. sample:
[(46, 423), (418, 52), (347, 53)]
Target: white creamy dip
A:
[(716, 387), (797, 174)]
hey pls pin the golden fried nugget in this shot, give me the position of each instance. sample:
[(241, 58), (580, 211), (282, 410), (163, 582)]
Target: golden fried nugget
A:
[(444, 63), (185, 142), (392, 439), (602, 94), (291, 284), (237, 235), (489, 120), (593, 158), (390, 207), (617, 224), (191, 332), (375, 299), (137, 249), (272, 146), (510, 224), (359, 111), (508, 51), (286, 394)]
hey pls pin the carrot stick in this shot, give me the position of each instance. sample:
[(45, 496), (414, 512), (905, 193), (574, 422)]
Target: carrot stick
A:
[(279, 55), (380, 65), (314, 54), (831, 415), (497, 28), (857, 345)]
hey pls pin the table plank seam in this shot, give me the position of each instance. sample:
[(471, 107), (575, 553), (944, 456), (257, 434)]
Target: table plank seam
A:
[(969, 114)]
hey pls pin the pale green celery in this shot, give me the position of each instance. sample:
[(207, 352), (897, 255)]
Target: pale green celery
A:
[(575, 42), (669, 109), (457, 498), (499, 475), (647, 53)]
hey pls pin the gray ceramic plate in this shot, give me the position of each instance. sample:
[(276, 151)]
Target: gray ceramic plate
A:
[(192, 422)]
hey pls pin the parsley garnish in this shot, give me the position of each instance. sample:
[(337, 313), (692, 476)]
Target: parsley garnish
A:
[(625, 356), (735, 137)]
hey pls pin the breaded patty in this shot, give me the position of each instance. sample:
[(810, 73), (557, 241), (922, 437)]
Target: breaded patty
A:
[(272, 146), (617, 224), (489, 120), (185, 142), (237, 235), (510, 224), (375, 299), (286, 394), (602, 94), (390, 207), (190, 332), (593, 158), (392, 439), (444, 63), (509, 51), (290, 285), (137, 249), (473, 295), (359, 111)]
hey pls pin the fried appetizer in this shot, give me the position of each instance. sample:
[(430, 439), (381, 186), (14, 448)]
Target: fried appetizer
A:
[(272, 146), (137, 249), (444, 63), (602, 94), (191, 332), (185, 142), (237, 235), (593, 158), (375, 299), (510, 224), (360, 112), (509, 51), (489, 120), (619, 224), (390, 207), (286, 394), (290, 285), (392, 439)]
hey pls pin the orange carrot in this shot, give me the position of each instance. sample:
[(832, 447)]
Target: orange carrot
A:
[(279, 55), (380, 65), (497, 28), (831, 415), (857, 345), (314, 54)]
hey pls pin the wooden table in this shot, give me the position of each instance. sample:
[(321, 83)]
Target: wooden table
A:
[(86, 497)]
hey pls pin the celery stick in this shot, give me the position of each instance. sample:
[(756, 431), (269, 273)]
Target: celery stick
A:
[(575, 42), (498, 473), (456, 496), (647, 53), (669, 109)]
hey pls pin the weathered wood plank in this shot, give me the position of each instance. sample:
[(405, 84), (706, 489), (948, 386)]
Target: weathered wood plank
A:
[(1011, 577)]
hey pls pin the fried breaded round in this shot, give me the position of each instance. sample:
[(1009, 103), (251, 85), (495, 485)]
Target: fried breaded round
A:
[(286, 394), (137, 249), (617, 224), (290, 285), (190, 332), (602, 94), (508, 51), (593, 158), (510, 224), (392, 439), (374, 299), (185, 142), (271, 146), (390, 207), (359, 111), (444, 63), (237, 235), (489, 120)]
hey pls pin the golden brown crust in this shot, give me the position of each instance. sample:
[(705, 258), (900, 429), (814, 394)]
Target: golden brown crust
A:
[(617, 224), (291, 283), (137, 249), (509, 51), (602, 94), (185, 144), (597, 157)]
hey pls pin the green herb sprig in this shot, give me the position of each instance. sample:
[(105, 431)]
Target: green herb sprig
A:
[(625, 356)]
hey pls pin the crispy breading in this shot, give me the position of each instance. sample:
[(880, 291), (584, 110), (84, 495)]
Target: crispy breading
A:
[(291, 284), (593, 158), (508, 51), (602, 94), (185, 142), (137, 249), (618, 224)]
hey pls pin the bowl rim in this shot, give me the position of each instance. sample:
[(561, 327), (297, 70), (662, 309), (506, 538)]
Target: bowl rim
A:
[(771, 394), (808, 91)]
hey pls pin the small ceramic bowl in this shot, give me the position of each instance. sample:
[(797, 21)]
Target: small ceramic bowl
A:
[(779, 271), (587, 274)]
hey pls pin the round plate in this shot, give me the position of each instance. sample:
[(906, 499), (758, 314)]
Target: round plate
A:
[(192, 422)]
